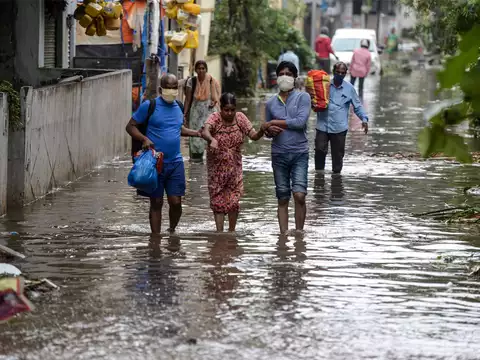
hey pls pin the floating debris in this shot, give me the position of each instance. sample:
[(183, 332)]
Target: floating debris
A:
[(417, 156), (12, 299), (9, 270), (468, 214), (11, 252)]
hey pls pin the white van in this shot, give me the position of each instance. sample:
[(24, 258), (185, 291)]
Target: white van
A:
[(345, 41)]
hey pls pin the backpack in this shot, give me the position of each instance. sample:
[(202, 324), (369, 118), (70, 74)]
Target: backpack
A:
[(318, 86), (137, 145)]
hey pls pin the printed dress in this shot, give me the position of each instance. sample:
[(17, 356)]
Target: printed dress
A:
[(225, 175)]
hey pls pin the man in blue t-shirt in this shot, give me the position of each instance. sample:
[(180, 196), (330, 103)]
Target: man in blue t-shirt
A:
[(165, 126)]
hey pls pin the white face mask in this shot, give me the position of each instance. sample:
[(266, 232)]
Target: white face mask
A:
[(285, 83), (169, 95)]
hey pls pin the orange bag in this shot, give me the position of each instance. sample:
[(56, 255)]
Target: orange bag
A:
[(318, 86)]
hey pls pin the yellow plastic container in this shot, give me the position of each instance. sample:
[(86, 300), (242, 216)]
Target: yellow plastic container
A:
[(79, 12), (112, 24), (182, 15), (91, 29), (176, 49), (172, 13), (85, 21), (168, 35), (101, 29), (108, 11), (184, 1), (193, 9), (93, 10), (118, 10), (179, 38), (171, 4), (192, 39)]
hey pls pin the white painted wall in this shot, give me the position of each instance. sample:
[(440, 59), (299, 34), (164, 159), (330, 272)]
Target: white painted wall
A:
[(3, 152), (204, 31), (69, 129)]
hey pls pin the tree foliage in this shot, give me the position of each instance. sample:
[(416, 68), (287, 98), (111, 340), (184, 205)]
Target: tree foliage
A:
[(454, 26), (251, 30), (461, 70), (14, 120), (441, 21)]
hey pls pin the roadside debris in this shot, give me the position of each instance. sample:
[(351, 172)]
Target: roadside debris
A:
[(16, 291), (466, 214), (8, 251), (12, 298), (417, 156)]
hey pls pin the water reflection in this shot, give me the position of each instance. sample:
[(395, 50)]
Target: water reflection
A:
[(157, 276), (337, 190), (223, 276), (338, 195), (366, 274), (287, 272)]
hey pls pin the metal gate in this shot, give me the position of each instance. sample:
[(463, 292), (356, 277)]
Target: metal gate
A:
[(49, 41)]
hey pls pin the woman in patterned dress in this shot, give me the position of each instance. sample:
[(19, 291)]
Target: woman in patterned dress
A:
[(201, 100), (225, 132)]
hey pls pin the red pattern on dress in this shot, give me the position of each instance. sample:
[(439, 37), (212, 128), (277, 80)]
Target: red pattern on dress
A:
[(224, 165)]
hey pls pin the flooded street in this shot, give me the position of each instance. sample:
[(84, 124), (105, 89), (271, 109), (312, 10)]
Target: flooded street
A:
[(367, 281)]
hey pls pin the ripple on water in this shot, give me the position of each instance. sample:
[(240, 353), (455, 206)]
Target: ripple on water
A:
[(366, 281)]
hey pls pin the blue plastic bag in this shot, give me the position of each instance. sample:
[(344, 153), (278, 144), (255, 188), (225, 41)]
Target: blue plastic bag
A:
[(143, 175)]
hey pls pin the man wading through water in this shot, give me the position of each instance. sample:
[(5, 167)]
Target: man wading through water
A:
[(332, 124), (289, 110), (165, 126)]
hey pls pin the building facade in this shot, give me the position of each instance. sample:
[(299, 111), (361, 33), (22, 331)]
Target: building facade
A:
[(33, 41)]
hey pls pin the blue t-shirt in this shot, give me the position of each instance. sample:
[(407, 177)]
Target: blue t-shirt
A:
[(164, 127)]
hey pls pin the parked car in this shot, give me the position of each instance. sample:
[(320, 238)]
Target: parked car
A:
[(345, 41)]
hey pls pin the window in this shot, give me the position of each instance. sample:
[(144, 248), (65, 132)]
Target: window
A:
[(349, 45)]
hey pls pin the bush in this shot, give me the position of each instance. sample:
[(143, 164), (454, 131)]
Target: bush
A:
[(15, 122)]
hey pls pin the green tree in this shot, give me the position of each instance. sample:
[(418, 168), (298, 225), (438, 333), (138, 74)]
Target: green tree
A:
[(454, 25), (441, 21), (250, 31)]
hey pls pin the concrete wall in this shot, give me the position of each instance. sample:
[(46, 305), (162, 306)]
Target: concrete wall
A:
[(215, 67), (3, 152), (69, 129)]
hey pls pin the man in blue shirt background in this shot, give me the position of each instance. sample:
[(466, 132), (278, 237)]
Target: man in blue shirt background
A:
[(165, 126), (290, 56), (289, 110), (332, 124)]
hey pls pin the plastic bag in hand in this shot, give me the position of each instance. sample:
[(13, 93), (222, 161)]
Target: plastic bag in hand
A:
[(143, 175)]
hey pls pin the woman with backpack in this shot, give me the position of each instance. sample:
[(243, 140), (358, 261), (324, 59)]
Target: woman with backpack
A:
[(201, 100)]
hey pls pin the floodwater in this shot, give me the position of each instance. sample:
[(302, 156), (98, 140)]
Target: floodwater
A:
[(367, 281)]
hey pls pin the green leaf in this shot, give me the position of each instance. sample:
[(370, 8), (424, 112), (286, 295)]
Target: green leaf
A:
[(455, 147), (431, 140), (424, 142), (456, 66), (456, 114)]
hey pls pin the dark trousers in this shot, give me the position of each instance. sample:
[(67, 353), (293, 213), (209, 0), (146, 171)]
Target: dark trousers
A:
[(360, 84), (324, 64), (337, 144)]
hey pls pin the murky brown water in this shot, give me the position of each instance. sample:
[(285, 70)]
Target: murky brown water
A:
[(364, 282)]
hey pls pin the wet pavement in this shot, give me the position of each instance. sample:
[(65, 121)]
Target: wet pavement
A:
[(367, 281)]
